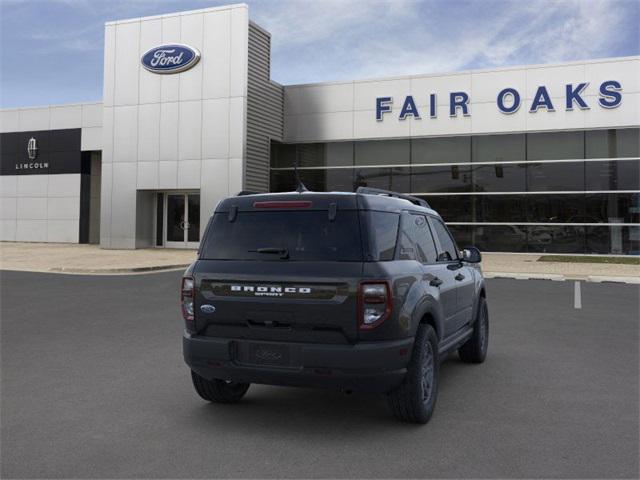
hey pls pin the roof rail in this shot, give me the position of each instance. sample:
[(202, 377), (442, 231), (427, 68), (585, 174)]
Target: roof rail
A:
[(247, 192), (389, 193)]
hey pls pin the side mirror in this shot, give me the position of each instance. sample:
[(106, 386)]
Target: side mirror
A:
[(471, 255)]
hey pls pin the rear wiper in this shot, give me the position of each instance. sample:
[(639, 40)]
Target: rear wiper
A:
[(283, 252)]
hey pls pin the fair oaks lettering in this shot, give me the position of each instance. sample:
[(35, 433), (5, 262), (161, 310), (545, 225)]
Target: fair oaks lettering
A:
[(508, 101)]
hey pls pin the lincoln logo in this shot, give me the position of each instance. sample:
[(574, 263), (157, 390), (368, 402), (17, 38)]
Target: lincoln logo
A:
[(32, 149), (273, 291), (170, 58)]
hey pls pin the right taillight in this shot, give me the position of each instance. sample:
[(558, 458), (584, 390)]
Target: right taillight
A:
[(374, 304), (187, 302)]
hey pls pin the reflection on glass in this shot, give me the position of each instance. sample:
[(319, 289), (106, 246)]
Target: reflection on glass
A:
[(613, 175), (555, 145), (556, 208), (441, 150), (445, 178), (612, 143), (499, 148), (175, 218), (452, 208), (396, 179), (382, 152), (500, 238), (613, 240), (613, 207), (193, 234), (556, 239), (499, 178), (548, 177), (500, 208)]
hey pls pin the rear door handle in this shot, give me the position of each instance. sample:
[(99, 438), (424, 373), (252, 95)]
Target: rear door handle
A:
[(435, 282), (459, 277)]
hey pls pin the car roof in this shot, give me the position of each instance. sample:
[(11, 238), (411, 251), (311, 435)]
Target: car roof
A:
[(322, 201)]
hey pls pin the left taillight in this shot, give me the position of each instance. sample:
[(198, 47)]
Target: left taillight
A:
[(374, 304), (187, 295)]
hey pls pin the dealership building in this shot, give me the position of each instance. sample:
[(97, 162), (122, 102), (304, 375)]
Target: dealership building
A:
[(541, 158)]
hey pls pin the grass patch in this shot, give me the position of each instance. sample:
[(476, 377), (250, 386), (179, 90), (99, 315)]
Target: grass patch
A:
[(587, 259)]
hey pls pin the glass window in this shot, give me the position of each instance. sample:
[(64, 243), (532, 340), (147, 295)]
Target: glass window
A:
[(499, 178), (448, 250), (397, 179), (416, 242), (556, 239), (339, 154), (612, 143), (500, 238), (444, 178), (547, 177), (499, 208), (555, 145), (567, 208), (382, 152), (613, 175), (305, 235), (453, 208), (613, 208), (462, 234), (613, 240), (499, 148), (441, 150), (282, 155), (338, 180), (384, 233)]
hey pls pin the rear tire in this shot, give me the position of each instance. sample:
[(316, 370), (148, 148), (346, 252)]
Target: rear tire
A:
[(415, 399), (474, 350), (219, 391)]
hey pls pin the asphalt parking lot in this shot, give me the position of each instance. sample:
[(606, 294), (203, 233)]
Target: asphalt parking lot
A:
[(94, 386)]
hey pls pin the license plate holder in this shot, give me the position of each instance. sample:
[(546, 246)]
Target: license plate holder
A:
[(269, 354)]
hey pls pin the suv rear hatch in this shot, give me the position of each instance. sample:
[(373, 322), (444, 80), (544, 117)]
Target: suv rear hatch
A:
[(284, 269)]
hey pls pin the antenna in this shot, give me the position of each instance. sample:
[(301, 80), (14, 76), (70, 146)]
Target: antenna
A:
[(300, 188)]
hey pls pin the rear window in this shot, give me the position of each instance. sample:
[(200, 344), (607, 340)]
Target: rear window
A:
[(304, 235)]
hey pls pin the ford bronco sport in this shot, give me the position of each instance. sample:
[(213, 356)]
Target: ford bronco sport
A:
[(355, 291)]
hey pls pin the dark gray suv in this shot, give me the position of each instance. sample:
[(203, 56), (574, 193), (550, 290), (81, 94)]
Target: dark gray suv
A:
[(354, 291)]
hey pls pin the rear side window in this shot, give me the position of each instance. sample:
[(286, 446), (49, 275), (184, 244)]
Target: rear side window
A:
[(304, 235), (416, 241), (383, 233), (448, 249)]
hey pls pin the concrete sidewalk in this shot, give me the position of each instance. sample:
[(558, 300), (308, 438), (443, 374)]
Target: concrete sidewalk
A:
[(71, 258)]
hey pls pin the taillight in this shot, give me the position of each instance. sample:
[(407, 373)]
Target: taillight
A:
[(374, 304), (186, 300)]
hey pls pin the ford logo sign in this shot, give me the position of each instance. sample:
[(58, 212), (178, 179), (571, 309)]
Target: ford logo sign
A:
[(206, 308), (173, 58)]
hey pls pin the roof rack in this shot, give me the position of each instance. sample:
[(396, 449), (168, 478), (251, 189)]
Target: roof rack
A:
[(389, 193), (247, 192)]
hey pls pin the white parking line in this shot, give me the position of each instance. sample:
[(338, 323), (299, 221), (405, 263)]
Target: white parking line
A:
[(577, 295)]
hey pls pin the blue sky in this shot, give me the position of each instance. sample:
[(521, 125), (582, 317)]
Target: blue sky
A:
[(51, 51)]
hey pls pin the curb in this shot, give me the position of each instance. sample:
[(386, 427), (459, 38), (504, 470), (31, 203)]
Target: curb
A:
[(562, 278), (154, 268)]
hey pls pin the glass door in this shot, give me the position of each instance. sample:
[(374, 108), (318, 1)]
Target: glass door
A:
[(182, 220)]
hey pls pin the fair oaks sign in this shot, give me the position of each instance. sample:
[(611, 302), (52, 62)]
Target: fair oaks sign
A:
[(508, 101)]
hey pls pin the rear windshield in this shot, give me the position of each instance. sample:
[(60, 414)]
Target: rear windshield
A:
[(284, 235)]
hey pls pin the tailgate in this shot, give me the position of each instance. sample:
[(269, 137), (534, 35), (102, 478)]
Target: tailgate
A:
[(311, 302)]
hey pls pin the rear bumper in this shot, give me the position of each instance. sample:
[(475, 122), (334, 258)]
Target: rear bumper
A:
[(373, 366)]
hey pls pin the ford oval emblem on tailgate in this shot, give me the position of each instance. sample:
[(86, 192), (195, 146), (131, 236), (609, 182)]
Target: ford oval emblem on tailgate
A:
[(206, 308)]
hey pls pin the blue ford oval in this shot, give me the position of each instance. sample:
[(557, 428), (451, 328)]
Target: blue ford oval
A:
[(173, 58)]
